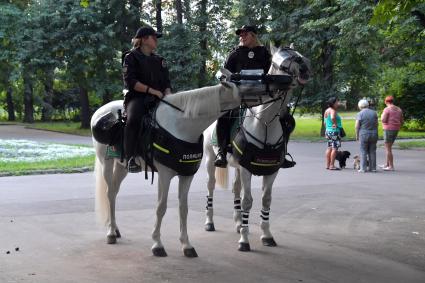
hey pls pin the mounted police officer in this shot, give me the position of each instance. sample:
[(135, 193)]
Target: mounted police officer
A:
[(145, 79), (249, 55)]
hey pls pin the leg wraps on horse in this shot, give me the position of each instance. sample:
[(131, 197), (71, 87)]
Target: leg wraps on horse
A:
[(245, 216), (209, 203), (237, 204), (265, 215)]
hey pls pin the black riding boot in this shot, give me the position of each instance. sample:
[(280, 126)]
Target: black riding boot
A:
[(221, 160)]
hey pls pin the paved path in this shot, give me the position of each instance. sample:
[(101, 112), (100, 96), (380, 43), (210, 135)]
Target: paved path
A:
[(330, 227)]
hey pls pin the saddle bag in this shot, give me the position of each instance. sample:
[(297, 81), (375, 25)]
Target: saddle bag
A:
[(109, 129), (258, 161)]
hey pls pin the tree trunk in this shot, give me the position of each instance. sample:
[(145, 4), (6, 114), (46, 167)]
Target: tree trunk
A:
[(158, 5), (322, 114), (84, 108), (327, 63), (106, 97), (28, 98), (10, 105), (203, 42), (47, 110), (179, 11), (187, 14)]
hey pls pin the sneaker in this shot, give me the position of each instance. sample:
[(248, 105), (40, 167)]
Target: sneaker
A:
[(373, 171), (220, 160), (382, 166), (361, 171), (388, 169), (132, 166)]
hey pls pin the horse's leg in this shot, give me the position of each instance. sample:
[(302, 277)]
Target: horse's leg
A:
[(267, 237), (164, 178), (209, 222), (120, 172), (246, 207), (237, 217), (184, 185), (113, 174)]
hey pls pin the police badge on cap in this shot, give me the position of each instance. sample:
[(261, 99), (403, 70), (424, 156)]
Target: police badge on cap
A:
[(251, 54)]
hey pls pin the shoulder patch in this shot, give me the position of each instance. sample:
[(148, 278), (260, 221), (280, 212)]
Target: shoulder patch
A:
[(164, 63)]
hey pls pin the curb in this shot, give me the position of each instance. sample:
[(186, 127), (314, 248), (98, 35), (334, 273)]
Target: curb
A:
[(47, 171)]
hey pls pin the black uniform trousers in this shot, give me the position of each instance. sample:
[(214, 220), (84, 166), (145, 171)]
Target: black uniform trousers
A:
[(136, 108), (223, 128)]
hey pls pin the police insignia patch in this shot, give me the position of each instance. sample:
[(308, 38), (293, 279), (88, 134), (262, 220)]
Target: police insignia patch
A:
[(251, 54), (164, 64)]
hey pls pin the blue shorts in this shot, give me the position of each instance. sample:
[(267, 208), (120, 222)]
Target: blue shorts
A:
[(333, 139)]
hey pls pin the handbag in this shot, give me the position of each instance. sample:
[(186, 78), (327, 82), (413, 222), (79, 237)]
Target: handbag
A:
[(342, 133)]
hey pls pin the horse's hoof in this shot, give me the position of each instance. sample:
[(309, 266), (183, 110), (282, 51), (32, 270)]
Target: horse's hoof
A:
[(159, 252), (244, 247), (111, 239), (190, 252), (118, 233), (269, 242), (209, 227)]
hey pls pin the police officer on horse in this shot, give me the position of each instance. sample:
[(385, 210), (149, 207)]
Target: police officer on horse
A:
[(146, 80), (249, 55)]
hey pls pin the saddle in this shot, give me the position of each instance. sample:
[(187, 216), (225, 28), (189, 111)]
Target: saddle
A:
[(156, 143)]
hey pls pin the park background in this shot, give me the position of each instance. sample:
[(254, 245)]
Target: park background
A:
[(61, 60)]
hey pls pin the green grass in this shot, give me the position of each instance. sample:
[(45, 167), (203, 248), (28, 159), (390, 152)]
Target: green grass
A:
[(309, 129), (65, 165), (411, 144), (63, 127)]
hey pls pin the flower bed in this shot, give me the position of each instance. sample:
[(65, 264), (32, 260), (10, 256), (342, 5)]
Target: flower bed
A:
[(31, 151), (20, 157)]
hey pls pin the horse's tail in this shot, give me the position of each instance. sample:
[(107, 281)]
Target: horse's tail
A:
[(222, 177), (102, 201)]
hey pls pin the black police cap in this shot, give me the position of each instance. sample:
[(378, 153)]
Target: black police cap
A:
[(246, 28), (146, 31)]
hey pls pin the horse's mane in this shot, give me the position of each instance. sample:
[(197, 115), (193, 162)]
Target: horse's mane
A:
[(196, 102)]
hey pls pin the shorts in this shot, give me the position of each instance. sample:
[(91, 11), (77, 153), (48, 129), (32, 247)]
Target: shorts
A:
[(333, 138), (390, 136)]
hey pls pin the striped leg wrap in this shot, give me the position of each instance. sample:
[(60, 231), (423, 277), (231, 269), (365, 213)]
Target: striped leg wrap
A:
[(265, 215), (237, 204), (209, 202), (245, 216)]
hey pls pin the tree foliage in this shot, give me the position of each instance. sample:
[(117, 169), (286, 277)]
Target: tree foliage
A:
[(62, 57)]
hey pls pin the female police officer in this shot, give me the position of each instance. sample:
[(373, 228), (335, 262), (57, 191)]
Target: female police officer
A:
[(145, 78), (248, 55)]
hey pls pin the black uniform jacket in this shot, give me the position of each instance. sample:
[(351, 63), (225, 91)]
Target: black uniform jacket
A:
[(149, 70), (244, 58)]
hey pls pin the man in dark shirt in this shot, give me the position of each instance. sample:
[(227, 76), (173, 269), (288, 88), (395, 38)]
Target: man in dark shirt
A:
[(248, 55), (145, 77)]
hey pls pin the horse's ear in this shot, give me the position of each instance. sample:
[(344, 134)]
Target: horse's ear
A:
[(292, 46), (273, 48)]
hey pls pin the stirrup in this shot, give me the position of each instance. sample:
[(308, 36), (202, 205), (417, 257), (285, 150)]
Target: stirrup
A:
[(132, 166), (288, 163)]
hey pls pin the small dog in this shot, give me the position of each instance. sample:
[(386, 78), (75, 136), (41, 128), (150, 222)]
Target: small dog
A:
[(356, 162), (342, 157)]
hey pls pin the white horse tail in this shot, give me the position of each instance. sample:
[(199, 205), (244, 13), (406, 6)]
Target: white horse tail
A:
[(102, 201), (222, 177)]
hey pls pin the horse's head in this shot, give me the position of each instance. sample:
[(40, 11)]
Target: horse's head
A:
[(287, 61)]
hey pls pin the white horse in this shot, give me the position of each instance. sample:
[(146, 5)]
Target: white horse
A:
[(263, 127), (201, 108)]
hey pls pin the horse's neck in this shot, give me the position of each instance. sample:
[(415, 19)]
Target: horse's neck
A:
[(190, 128), (263, 123)]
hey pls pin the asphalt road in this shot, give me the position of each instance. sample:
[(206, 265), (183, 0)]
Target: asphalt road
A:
[(330, 226)]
